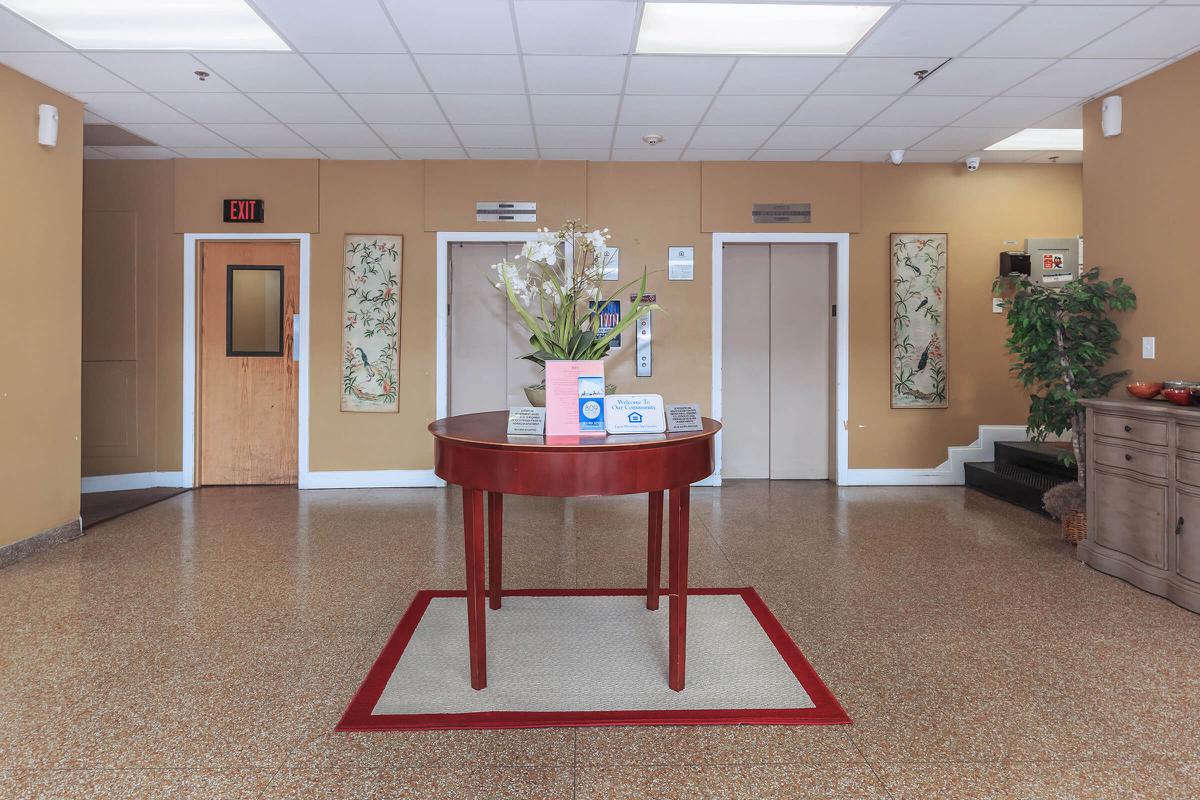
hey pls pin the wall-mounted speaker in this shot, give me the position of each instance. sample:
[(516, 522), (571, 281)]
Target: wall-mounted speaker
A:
[(1110, 115), (47, 125)]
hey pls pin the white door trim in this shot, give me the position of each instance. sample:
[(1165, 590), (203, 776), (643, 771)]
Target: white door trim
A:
[(444, 240), (299, 343), (841, 241)]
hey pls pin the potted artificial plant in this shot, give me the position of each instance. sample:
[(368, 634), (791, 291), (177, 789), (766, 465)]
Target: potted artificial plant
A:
[(1062, 336), (560, 302)]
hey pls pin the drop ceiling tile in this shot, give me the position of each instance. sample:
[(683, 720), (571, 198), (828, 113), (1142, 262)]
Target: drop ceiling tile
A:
[(778, 75), (140, 153), (1102, 2), (435, 153), (886, 137), (177, 135), (67, 72), (575, 74), (478, 109), (751, 109), (1004, 156), (1021, 112), (424, 135), (217, 107), (212, 152), (840, 109), (1159, 33), (96, 154), (964, 139), (1080, 77), (18, 35), (473, 74), (355, 135), (369, 72), (933, 156), (677, 74), (867, 156), (359, 153), (502, 153), (876, 75), (579, 136), (646, 154), (731, 136), (1057, 157), (305, 106), (395, 108), (487, 136), (980, 76), (347, 26), (663, 110), (90, 118), (629, 137), (122, 107), (161, 72), (927, 110), (593, 27), (717, 154), (454, 26), (919, 30), (574, 153), (1068, 118), (286, 152), (577, 109), (259, 135), (809, 137), (788, 155), (265, 72), (1052, 31)]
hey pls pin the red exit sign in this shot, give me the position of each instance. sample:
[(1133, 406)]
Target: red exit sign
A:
[(243, 210)]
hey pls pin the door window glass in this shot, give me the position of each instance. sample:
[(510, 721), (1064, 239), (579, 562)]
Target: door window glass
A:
[(254, 311)]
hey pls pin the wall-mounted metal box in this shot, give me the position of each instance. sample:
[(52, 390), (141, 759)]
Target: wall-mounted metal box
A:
[(1014, 263), (1053, 260)]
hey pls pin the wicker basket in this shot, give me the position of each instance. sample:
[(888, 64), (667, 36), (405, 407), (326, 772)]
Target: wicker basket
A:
[(1074, 527)]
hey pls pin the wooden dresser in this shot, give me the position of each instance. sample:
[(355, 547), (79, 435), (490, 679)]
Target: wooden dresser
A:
[(1143, 498)]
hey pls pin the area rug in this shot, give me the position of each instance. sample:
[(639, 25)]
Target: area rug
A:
[(590, 657)]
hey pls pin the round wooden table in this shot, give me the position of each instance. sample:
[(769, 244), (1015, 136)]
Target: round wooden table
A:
[(475, 452)]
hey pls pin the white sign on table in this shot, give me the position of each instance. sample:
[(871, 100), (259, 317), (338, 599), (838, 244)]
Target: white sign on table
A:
[(684, 417), (634, 413), (526, 421)]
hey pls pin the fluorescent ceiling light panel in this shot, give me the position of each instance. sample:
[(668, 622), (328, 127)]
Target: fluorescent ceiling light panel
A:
[(151, 24), (755, 28), (1042, 139)]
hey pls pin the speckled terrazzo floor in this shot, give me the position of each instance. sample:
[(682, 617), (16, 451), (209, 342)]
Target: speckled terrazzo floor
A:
[(205, 647)]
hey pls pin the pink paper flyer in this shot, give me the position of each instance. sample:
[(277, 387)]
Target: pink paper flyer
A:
[(562, 394)]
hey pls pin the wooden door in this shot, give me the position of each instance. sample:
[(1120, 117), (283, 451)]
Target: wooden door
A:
[(248, 376)]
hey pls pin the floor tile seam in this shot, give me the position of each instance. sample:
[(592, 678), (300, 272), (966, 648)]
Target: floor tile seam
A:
[(717, 543), (887, 790)]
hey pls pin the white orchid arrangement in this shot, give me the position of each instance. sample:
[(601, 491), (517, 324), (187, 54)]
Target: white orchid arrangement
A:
[(560, 302)]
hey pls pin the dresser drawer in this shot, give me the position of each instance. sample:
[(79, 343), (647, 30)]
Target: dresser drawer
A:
[(1130, 517), (1188, 471), (1152, 465), (1187, 437), (1131, 429)]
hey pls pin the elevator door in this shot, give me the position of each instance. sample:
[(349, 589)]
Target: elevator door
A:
[(487, 372), (776, 361)]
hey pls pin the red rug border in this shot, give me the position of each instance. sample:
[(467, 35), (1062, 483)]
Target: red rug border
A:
[(358, 716)]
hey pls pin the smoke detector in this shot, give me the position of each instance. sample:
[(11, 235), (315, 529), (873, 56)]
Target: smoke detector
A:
[(652, 139)]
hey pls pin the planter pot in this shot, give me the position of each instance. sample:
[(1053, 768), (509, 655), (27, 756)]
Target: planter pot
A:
[(1074, 527), (536, 395)]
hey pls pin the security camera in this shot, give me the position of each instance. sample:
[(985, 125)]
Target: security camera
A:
[(973, 163), (896, 157)]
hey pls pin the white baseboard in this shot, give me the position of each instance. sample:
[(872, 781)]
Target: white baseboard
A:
[(132, 480), (711, 480), (370, 479), (950, 472)]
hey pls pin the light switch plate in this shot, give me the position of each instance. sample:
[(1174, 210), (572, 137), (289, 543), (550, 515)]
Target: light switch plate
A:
[(1147, 347)]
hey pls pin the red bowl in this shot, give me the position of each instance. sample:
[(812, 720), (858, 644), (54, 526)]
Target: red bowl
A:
[(1180, 397), (1144, 390)]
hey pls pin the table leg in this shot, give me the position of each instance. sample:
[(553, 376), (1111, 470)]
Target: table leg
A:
[(678, 557), (476, 619), (495, 546), (654, 551)]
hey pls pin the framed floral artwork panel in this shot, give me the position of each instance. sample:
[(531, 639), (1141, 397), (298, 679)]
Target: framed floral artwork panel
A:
[(918, 303), (371, 322)]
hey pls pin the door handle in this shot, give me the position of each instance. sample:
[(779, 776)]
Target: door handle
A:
[(1179, 527), (1129, 429), (296, 333)]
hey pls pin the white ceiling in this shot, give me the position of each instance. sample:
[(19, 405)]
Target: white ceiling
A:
[(382, 79)]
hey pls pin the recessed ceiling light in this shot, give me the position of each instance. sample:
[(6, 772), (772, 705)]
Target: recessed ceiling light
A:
[(151, 24), (755, 28), (1042, 139)]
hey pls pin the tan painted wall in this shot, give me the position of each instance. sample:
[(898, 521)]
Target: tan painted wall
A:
[(1140, 213), (40, 327), (649, 207)]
